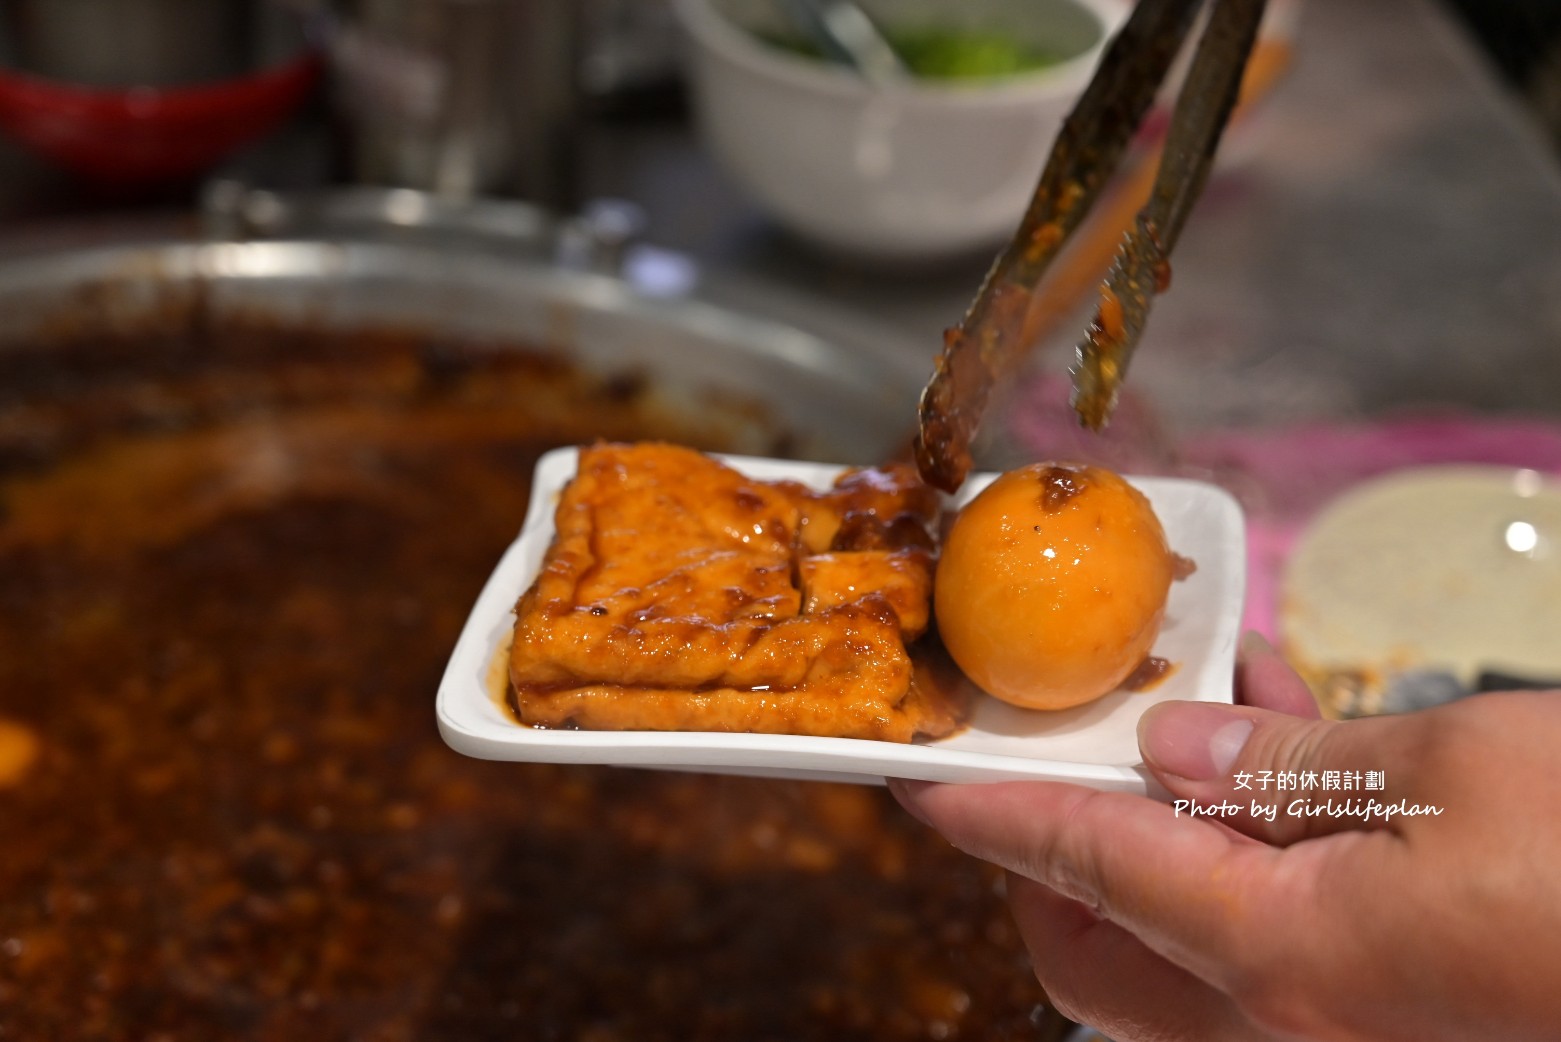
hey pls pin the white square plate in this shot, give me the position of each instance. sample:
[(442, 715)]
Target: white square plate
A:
[(1094, 745)]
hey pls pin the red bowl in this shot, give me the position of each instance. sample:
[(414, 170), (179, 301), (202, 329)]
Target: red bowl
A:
[(148, 134)]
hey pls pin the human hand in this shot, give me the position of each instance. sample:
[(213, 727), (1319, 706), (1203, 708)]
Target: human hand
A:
[(1149, 923)]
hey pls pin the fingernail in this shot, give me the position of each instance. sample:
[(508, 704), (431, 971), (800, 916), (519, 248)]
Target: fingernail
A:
[(1193, 740), (1253, 644)]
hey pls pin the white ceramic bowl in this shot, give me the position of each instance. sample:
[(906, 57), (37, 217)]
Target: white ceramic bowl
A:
[(910, 171)]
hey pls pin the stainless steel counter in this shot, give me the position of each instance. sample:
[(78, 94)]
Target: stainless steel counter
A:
[(1385, 235)]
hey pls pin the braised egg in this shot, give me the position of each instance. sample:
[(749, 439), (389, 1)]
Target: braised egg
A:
[(1052, 584)]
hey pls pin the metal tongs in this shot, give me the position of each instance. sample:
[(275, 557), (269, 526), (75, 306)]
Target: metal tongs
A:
[(989, 341)]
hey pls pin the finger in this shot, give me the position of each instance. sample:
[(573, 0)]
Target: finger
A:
[(1189, 890), (1266, 681), (1289, 779), (1099, 974)]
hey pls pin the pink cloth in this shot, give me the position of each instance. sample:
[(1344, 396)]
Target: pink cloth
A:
[(1282, 476), (1286, 476)]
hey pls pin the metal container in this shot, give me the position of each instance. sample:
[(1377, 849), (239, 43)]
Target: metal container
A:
[(130, 43), (464, 97), (236, 554), (839, 388)]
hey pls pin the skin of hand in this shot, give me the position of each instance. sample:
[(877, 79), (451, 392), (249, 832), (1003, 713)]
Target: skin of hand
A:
[(1149, 924)]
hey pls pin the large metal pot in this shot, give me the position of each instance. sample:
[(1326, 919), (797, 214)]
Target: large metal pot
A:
[(839, 388), (236, 551)]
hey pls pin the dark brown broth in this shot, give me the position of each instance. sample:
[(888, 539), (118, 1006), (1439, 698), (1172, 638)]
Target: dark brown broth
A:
[(232, 572)]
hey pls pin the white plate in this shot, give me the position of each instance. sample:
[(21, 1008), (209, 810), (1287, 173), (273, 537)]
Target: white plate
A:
[(1450, 568), (1092, 745)]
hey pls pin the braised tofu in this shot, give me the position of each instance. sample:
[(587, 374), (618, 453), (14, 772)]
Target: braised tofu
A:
[(679, 594)]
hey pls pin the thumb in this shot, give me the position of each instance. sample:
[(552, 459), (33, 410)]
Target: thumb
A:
[(1278, 778)]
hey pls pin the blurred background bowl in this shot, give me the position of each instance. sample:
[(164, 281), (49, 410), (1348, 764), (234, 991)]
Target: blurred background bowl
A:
[(144, 91), (914, 170)]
